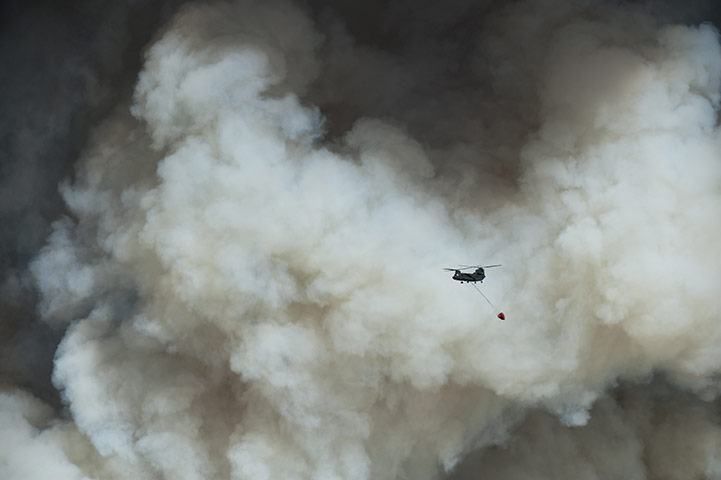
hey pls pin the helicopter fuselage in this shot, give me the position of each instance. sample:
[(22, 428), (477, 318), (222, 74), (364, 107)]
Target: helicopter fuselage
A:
[(474, 277)]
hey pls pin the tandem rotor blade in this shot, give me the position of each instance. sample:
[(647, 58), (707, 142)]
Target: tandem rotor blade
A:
[(466, 267)]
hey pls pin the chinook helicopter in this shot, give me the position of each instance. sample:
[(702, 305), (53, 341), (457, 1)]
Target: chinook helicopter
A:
[(477, 276), (474, 277)]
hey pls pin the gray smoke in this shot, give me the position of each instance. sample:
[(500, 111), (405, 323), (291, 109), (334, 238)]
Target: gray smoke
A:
[(247, 281), (64, 68)]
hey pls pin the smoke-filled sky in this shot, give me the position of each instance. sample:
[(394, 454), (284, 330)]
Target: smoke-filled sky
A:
[(225, 223)]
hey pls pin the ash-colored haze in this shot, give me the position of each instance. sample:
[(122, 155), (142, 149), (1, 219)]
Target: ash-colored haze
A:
[(251, 276)]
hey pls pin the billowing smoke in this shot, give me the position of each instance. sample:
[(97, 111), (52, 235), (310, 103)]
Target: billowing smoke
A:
[(64, 67), (248, 279)]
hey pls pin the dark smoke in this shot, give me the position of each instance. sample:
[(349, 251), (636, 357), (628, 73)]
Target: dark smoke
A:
[(65, 67)]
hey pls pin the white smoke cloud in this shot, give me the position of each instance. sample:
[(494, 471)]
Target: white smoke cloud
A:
[(251, 296)]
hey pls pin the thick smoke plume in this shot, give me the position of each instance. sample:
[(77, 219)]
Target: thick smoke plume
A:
[(248, 279)]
